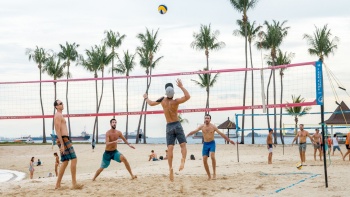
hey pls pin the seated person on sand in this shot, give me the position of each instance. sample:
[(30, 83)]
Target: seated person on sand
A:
[(208, 130), (153, 156), (38, 163)]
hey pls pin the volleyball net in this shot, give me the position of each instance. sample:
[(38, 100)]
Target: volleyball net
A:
[(21, 100)]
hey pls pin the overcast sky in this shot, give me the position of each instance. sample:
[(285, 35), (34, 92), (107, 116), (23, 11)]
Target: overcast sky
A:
[(26, 24)]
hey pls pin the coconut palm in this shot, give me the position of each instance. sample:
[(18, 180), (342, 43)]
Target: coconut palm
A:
[(125, 66), (54, 69), (271, 40), (39, 56), (321, 42), (206, 80), (242, 6), (149, 47), (252, 33), (207, 40), (281, 59), (113, 41), (297, 111), (181, 119), (70, 54)]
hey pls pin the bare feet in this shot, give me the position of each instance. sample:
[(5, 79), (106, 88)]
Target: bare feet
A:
[(133, 177), (182, 165), (171, 176), (214, 177), (77, 186), (209, 178), (61, 188)]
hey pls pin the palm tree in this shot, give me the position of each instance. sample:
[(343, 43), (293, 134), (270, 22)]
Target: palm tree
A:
[(56, 70), (207, 40), (282, 59), (69, 54), (272, 39), (39, 56), (242, 6), (113, 40), (205, 81), (125, 66), (252, 32), (297, 111), (149, 46), (321, 42), (181, 119)]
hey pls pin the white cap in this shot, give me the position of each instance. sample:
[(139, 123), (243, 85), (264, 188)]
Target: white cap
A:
[(169, 91)]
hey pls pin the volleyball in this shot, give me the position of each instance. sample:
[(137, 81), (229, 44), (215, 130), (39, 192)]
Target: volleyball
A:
[(162, 9), (299, 166)]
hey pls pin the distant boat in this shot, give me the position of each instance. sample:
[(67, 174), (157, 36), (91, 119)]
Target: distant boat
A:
[(83, 137), (199, 135), (27, 139), (255, 135)]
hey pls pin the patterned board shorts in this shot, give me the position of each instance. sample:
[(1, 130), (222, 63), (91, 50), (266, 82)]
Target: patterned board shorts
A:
[(69, 152)]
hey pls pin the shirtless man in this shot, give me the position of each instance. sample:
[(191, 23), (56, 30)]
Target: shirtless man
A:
[(208, 130), (347, 145), (174, 129), (66, 147), (153, 156), (302, 134), (57, 163), (111, 152), (269, 146), (317, 146)]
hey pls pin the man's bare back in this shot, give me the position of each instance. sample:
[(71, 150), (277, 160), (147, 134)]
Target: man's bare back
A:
[(170, 107)]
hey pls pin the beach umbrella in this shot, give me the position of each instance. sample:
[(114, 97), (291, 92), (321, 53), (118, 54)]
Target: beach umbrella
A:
[(228, 124)]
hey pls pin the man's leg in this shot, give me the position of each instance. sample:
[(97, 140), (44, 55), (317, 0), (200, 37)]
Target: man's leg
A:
[(170, 161), (315, 150), (206, 167), (127, 165), (60, 174), (270, 158), (98, 172), (320, 151), (301, 157), (73, 170), (184, 154), (213, 162)]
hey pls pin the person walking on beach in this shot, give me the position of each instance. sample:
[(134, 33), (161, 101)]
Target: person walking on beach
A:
[(208, 130), (174, 129), (65, 146), (335, 143), (302, 134), (347, 145), (57, 163), (31, 168), (269, 146), (317, 146), (111, 151)]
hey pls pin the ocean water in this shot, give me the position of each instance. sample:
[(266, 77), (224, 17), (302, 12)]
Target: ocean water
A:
[(11, 175)]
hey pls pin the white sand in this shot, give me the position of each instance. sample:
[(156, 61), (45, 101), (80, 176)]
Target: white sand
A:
[(251, 176)]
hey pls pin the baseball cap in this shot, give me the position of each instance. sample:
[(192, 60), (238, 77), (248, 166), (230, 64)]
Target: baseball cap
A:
[(169, 90)]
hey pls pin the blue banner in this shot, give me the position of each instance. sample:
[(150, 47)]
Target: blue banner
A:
[(319, 83)]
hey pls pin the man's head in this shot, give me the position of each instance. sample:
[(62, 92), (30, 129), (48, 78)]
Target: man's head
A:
[(113, 123), (169, 90), (152, 151), (270, 130), (301, 126), (58, 104), (207, 118), (317, 130)]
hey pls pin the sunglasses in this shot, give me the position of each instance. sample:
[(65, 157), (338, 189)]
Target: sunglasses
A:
[(59, 103)]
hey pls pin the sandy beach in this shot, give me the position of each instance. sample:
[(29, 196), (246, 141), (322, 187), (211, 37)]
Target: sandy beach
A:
[(251, 176)]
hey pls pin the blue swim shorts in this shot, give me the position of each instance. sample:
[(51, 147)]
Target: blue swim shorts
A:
[(108, 156), (208, 147), (175, 131)]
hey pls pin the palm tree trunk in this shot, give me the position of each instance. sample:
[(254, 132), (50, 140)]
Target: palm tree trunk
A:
[(208, 83), (296, 127), (99, 105), (93, 135), (42, 109), (113, 84), (54, 111), (251, 64), (245, 72), (267, 101), (274, 102), (127, 109), (281, 134), (69, 129)]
